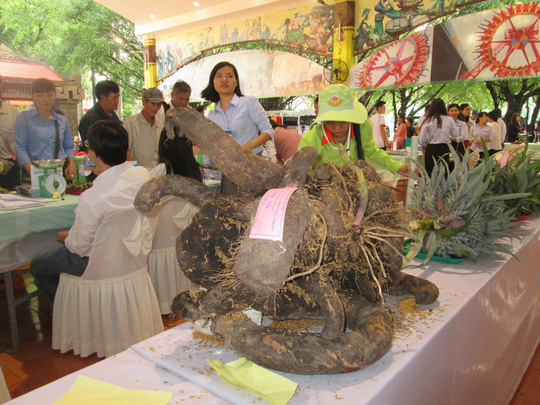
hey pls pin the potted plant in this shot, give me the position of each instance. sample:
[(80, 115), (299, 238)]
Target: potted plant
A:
[(516, 171), (456, 214)]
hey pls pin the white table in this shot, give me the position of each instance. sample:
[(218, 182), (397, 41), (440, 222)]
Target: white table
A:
[(401, 155), (25, 234), (470, 347), (535, 147), (129, 370)]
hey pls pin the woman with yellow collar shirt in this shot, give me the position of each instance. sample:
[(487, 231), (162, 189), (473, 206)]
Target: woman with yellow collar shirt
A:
[(343, 120)]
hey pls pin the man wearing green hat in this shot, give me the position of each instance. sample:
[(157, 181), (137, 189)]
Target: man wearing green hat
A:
[(344, 120)]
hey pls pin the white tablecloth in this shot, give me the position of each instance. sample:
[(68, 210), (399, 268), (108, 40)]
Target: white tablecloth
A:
[(28, 232), (128, 370), (470, 347), (532, 146), (404, 157)]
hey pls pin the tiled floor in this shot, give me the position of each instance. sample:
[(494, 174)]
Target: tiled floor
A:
[(37, 364)]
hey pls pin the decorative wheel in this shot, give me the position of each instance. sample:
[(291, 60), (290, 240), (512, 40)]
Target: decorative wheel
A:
[(398, 63), (509, 42)]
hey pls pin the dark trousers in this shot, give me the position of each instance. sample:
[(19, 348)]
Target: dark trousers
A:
[(12, 178), (459, 147), (434, 153), (47, 268)]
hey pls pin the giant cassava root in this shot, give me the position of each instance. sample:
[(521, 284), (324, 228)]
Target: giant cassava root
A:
[(325, 268)]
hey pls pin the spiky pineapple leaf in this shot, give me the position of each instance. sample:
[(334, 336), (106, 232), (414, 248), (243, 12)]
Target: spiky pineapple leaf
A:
[(466, 254)]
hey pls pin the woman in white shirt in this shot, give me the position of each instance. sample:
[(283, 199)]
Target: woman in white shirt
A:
[(463, 129), (495, 139), (435, 135), (480, 131)]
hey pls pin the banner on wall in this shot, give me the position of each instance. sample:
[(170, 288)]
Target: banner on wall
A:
[(307, 27), (262, 74), (492, 44), (380, 21), (506, 42), (402, 62)]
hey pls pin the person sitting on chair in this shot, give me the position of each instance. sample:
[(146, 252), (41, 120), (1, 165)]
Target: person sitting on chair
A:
[(113, 192)]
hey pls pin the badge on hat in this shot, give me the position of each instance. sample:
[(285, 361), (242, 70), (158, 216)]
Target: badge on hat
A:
[(335, 100)]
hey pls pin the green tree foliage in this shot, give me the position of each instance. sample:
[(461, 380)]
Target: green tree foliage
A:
[(277, 103), (511, 96), (76, 37), (412, 100), (514, 94)]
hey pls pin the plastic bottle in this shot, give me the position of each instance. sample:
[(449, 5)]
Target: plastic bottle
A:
[(86, 164)]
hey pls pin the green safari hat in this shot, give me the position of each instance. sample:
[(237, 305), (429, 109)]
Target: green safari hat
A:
[(337, 103)]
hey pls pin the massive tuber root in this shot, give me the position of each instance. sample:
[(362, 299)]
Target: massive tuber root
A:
[(247, 170), (325, 268), (309, 353), (277, 255), (189, 189)]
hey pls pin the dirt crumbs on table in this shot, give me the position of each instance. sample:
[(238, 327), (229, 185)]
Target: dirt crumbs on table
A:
[(207, 341), (409, 318)]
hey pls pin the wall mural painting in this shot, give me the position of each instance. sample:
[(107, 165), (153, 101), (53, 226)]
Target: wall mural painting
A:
[(381, 21), (261, 74), (492, 44), (308, 28)]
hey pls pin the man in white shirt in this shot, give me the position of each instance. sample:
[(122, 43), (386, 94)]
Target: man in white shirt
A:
[(379, 126), (113, 192), (144, 130), (9, 170)]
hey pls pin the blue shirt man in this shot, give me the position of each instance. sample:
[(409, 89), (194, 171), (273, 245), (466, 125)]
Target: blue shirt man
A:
[(35, 137), (36, 131)]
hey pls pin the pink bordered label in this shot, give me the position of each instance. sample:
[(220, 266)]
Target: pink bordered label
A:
[(270, 217)]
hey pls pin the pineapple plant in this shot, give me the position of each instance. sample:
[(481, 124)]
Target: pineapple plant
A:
[(454, 213), (517, 172)]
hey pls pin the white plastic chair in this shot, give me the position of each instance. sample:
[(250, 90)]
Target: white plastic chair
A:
[(113, 304), (163, 267)]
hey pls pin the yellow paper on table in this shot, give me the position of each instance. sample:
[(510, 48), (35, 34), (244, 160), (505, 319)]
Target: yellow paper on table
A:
[(87, 391), (247, 375)]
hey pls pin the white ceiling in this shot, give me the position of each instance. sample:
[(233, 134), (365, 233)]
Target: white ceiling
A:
[(170, 14), (139, 11)]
